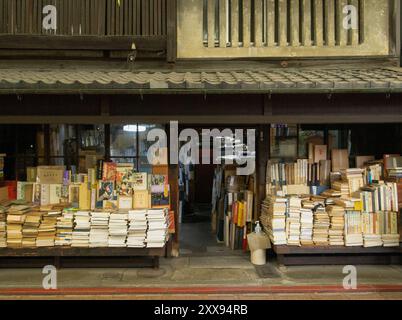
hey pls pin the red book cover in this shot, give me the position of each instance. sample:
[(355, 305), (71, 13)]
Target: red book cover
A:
[(109, 171), (12, 189), (234, 212)]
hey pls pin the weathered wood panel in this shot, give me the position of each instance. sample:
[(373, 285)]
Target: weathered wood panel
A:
[(86, 17), (283, 28)]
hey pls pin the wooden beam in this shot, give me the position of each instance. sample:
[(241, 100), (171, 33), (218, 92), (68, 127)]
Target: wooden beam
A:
[(32, 42)]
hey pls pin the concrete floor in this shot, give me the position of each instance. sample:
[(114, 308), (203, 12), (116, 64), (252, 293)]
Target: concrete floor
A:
[(207, 270)]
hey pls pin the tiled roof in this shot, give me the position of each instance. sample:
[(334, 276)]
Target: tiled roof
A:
[(269, 80)]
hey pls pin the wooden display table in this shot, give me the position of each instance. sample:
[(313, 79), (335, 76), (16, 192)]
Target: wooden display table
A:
[(337, 255), (57, 253)]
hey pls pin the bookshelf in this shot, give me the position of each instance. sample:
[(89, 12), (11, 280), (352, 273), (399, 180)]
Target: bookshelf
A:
[(336, 255), (57, 253)]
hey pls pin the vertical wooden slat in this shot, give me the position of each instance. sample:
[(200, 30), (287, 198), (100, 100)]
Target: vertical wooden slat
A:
[(163, 14), (234, 34), (151, 17), (258, 27), (1, 17), (211, 23), (144, 18), (246, 23), (139, 21), (295, 23), (341, 31), (117, 16), (271, 23), (330, 23), (306, 23), (222, 23), (121, 19), (88, 17), (130, 22), (171, 31), (283, 25), (319, 23), (354, 33)]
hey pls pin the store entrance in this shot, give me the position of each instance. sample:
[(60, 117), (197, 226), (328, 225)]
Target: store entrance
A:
[(206, 216)]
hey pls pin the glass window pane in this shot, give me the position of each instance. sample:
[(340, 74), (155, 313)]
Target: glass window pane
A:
[(309, 136), (142, 136), (123, 140), (283, 141)]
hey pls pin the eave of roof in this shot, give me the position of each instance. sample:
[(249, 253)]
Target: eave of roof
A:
[(341, 79)]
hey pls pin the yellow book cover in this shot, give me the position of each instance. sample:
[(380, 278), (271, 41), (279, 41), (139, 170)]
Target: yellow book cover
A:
[(240, 214), (141, 199), (358, 206), (85, 195)]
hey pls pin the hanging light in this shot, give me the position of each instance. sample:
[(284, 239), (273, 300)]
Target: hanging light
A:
[(134, 128)]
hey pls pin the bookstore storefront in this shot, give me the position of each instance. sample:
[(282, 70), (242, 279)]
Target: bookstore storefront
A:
[(313, 152)]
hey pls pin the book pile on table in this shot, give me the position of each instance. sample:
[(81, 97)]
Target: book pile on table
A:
[(30, 230), (273, 219), (321, 227), (337, 228), (3, 228), (157, 228), (99, 234), (47, 229), (306, 225), (118, 229), (82, 220), (15, 220), (390, 240), (64, 228), (137, 230), (293, 222), (353, 229)]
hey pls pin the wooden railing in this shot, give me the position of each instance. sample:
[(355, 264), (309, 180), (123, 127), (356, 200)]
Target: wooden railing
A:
[(282, 28), (87, 25)]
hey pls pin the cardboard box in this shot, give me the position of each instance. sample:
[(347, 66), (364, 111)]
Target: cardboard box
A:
[(340, 159), (50, 174), (361, 160), (3, 193), (320, 153)]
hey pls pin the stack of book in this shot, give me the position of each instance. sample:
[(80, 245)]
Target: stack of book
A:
[(118, 229), (82, 220), (15, 220), (353, 229), (342, 188), (64, 228), (371, 225), (293, 222), (99, 234), (273, 219), (354, 178), (3, 223), (337, 228), (47, 229), (390, 240), (30, 229), (321, 226), (157, 228), (307, 223), (137, 230), (372, 240)]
